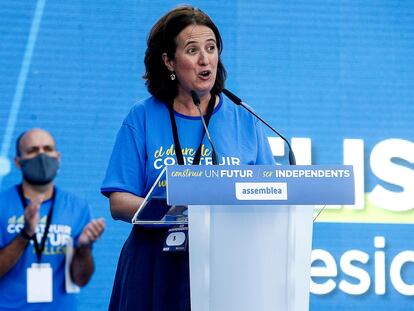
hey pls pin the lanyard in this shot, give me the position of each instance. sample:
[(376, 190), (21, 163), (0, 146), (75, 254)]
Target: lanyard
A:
[(39, 248), (177, 145)]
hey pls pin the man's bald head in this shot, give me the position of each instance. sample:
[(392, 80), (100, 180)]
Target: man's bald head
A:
[(34, 141)]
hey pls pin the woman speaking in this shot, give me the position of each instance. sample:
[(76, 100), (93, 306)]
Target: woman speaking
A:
[(182, 57)]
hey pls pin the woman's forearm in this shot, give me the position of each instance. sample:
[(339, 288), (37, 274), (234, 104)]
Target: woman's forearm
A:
[(123, 205)]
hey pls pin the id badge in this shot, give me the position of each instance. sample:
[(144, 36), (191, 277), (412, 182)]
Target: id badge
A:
[(39, 283), (176, 240)]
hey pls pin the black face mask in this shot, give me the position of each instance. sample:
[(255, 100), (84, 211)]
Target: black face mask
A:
[(39, 170)]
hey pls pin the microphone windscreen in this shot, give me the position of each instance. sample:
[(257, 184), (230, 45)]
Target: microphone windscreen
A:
[(196, 100), (232, 97)]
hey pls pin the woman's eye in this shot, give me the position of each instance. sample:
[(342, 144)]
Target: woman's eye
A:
[(212, 47), (191, 50)]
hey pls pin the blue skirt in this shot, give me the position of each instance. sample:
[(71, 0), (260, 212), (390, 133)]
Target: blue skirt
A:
[(148, 279)]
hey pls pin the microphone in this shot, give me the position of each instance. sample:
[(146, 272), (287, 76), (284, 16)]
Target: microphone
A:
[(196, 101), (238, 101)]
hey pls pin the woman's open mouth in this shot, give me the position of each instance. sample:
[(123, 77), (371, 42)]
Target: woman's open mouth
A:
[(205, 74)]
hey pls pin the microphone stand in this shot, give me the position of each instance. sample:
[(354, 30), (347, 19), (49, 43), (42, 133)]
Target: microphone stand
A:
[(238, 101), (196, 101)]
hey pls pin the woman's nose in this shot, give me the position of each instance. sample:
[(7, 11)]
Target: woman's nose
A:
[(203, 59)]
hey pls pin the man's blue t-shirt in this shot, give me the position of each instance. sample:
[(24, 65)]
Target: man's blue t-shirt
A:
[(70, 215), (145, 144)]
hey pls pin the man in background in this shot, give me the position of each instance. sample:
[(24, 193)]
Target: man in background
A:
[(46, 234)]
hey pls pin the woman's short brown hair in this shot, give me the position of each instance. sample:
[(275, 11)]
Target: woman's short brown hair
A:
[(162, 39)]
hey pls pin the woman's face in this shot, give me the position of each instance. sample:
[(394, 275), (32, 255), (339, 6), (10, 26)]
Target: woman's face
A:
[(196, 59)]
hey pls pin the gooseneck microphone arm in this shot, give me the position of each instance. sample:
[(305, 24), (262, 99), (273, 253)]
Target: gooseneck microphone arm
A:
[(196, 101), (238, 101)]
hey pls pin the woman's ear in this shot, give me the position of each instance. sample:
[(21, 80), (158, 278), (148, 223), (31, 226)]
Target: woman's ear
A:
[(169, 63)]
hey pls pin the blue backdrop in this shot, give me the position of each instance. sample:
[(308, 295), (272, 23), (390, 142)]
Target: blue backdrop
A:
[(332, 72)]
